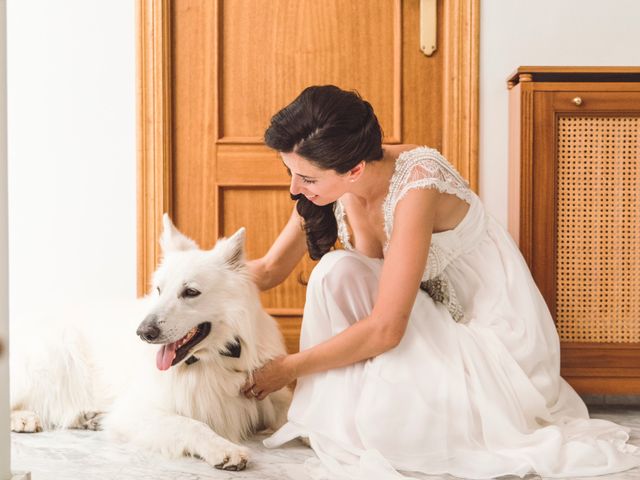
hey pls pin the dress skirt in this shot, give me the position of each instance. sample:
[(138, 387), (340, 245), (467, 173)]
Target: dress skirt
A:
[(476, 400)]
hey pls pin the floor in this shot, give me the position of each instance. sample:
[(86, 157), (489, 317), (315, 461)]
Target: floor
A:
[(74, 455)]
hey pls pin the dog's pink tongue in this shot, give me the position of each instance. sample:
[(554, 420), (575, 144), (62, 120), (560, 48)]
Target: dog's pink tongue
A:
[(165, 356)]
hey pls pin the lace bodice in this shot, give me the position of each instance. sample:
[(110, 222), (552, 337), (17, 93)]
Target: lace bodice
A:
[(420, 167)]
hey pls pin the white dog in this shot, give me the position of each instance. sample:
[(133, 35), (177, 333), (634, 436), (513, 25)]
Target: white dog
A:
[(179, 396)]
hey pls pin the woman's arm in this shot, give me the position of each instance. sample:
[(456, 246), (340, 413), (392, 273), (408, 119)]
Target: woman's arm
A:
[(282, 257), (402, 271)]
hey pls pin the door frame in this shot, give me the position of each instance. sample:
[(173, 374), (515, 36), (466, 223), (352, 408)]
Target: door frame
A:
[(461, 28)]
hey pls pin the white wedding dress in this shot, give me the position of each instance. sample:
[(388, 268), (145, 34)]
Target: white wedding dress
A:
[(473, 389)]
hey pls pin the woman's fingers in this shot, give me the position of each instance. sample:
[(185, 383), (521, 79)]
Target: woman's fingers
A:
[(252, 391), (246, 389), (262, 395), (265, 380)]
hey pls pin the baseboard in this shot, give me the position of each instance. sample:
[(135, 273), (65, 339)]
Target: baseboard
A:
[(621, 400)]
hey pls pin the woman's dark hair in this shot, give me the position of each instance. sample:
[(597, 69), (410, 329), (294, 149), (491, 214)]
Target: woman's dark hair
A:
[(333, 129)]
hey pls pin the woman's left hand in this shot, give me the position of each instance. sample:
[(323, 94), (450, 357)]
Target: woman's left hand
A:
[(271, 377)]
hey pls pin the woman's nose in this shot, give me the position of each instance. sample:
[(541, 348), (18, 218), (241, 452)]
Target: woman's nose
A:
[(294, 188)]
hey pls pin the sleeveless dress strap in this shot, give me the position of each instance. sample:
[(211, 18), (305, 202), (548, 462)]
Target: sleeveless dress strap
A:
[(343, 232)]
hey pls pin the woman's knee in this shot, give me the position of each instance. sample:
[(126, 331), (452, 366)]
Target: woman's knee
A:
[(340, 266), (341, 291)]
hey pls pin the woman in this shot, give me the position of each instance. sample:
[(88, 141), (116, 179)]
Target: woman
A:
[(425, 344)]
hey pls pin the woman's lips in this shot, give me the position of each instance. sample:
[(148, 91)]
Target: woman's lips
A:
[(311, 197)]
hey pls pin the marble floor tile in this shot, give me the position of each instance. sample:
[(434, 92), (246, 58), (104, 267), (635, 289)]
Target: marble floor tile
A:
[(84, 455)]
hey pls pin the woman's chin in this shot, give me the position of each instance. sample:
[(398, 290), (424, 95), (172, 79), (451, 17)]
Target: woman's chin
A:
[(319, 201)]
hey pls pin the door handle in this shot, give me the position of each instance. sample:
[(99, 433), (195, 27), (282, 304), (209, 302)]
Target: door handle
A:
[(428, 24)]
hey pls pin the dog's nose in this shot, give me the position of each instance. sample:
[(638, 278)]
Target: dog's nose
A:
[(148, 329)]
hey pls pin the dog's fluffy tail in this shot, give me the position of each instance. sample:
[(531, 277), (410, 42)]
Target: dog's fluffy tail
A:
[(54, 377)]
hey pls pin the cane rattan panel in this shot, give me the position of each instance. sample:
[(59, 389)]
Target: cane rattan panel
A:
[(598, 228)]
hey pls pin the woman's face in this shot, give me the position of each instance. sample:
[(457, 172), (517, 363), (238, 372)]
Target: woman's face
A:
[(320, 186)]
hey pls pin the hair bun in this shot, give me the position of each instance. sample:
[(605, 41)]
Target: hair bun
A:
[(335, 130)]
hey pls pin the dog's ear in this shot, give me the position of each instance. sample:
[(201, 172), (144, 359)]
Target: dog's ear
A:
[(171, 238), (234, 249)]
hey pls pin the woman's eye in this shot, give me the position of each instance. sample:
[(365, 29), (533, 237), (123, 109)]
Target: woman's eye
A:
[(190, 293), (304, 180)]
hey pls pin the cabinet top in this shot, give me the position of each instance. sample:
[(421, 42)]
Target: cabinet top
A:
[(574, 74)]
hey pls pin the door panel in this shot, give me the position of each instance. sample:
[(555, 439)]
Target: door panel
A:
[(272, 49), (264, 211)]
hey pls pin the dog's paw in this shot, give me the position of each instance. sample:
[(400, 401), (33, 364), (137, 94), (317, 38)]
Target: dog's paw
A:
[(305, 441), (231, 457), (88, 421), (25, 421)]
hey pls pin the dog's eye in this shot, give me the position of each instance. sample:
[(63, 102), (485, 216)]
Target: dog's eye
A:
[(190, 292), (158, 289)]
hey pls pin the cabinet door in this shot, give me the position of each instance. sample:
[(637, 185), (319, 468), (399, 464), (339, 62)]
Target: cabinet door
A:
[(586, 231)]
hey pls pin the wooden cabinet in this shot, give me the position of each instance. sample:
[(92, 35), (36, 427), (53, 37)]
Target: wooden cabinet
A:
[(574, 209)]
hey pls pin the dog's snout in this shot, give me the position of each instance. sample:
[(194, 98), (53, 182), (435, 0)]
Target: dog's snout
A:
[(148, 329)]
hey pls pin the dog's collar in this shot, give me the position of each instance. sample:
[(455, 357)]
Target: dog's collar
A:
[(191, 360), (232, 349)]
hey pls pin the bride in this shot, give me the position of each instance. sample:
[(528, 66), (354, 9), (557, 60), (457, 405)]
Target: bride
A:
[(425, 344)]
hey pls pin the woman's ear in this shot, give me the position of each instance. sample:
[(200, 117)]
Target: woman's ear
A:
[(356, 172)]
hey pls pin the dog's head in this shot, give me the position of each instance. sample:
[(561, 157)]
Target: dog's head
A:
[(199, 298)]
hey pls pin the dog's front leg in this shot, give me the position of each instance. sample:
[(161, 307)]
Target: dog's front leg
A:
[(176, 435)]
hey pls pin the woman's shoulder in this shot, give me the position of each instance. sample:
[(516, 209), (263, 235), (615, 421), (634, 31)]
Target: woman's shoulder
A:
[(408, 159), (424, 167), (423, 161), (417, 158)]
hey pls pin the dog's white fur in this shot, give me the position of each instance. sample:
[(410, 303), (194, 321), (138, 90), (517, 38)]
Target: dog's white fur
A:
[(62, 378)]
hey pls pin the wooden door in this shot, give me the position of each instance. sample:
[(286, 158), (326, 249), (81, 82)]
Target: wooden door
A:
[(213, 72)]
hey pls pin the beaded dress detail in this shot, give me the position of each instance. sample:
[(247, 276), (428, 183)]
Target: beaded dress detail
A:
[(421, 167)]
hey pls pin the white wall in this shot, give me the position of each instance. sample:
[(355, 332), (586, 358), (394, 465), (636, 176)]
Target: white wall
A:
[(5, 451), (72, 154), (544, 32)]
